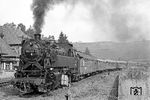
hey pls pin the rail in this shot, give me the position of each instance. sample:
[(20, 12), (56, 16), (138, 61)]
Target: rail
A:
[(5, 83)]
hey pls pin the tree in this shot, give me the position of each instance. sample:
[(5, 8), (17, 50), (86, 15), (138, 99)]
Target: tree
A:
[(30, 32), (51, 37), (1, 32), (11, 25), (1, 35), (87, 51), (22, 27), (62, 38)]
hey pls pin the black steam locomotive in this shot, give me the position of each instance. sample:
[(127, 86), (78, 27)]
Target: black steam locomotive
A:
[(46, 65)]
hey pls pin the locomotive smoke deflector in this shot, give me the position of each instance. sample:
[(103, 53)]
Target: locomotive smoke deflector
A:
[(37, 36)]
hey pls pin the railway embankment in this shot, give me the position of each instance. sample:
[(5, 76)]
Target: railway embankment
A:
[(96, 87)]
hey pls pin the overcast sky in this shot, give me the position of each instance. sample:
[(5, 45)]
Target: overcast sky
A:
[(86, 20)]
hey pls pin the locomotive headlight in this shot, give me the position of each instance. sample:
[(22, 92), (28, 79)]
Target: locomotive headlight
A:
[(51, 68)]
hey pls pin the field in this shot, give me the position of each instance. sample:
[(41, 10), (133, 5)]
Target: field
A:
[(129, 51)]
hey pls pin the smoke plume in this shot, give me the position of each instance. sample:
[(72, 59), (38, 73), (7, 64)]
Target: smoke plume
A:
[(119, 20), (127, 25), (40, 7)]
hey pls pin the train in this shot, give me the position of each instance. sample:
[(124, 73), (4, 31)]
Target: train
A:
[(47, 65)]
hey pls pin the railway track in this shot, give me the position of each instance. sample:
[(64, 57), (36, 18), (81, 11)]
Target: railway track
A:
[(8, 88), (5, 83), (102, 71)]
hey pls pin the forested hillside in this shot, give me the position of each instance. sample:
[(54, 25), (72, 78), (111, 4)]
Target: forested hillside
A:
[(135, 51)]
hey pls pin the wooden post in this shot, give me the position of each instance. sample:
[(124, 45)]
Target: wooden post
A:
[(68, 95)]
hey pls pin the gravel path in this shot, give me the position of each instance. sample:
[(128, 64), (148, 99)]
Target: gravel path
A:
[(97, 87)]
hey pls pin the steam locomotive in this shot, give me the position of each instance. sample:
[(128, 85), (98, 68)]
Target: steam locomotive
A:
[(47, 65)]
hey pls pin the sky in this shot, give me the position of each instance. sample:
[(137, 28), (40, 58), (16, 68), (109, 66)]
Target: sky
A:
[(85, 20)]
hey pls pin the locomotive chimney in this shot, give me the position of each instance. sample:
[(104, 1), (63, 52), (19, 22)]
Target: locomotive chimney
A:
[(37, 36)]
